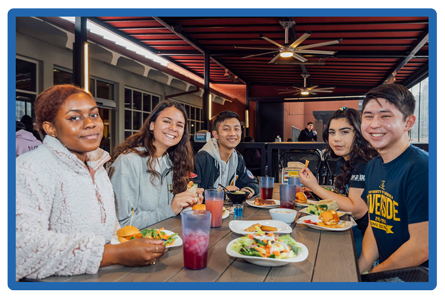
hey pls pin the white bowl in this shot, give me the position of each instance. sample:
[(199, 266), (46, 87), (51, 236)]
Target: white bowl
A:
[(283, 214)]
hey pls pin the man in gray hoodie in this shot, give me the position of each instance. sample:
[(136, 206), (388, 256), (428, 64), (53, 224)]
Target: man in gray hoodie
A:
[(218, 162)]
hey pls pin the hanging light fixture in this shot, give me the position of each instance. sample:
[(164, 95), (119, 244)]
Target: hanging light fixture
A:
[(286, 54)]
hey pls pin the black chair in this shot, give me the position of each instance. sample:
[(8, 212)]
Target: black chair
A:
[(313, 157), (332, 170)]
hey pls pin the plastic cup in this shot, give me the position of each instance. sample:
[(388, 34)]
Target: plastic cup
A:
[(287, 196), (267, 183), (295, 180), (195, 237), (238, 210), (214, 201)]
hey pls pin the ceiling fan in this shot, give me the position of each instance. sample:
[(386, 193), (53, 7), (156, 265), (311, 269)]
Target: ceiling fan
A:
[(293, 49), (306, 91)]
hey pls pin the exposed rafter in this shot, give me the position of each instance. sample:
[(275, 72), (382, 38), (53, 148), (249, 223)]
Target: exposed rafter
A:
[(177, 30)]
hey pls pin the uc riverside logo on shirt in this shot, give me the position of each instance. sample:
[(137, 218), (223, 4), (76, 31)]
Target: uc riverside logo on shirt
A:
[(384, 207)]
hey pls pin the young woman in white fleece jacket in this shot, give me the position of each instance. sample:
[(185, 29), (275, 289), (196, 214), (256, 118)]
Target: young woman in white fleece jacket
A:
[(65, 213)]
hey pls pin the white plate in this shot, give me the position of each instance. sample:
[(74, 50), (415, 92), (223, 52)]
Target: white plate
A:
[(340, 212), (315, 219), (240, 226), (302, 255), (252, 203), (225, 214), (178, 240), (310, 201)]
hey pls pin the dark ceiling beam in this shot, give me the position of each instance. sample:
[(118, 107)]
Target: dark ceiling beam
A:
[(174, 29), (416, 77), (392, 77), (134, 40), (321, 86), (308, 24)]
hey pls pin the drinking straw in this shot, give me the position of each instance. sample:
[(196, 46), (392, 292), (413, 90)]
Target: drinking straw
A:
[(131, 220)]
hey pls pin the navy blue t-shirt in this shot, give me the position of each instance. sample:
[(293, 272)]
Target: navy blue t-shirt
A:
[(357, 181), (397, 195)]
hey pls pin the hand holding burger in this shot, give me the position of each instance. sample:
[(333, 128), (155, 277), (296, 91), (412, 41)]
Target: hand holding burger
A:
[(135, 252)]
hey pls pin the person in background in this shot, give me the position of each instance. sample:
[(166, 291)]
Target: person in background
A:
[(218, 162), (29, 126), (150, 170), (24, 140), (345, 142), (308, 134), (65, 214), (396, 183)]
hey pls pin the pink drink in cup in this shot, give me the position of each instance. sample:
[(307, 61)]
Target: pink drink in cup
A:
[(196, 246), (195, 236), (215, 207), (214, 201)]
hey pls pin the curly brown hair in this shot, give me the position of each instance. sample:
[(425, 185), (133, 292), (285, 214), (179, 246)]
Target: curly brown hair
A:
[(181, 154), (48, 103), (361, 150)]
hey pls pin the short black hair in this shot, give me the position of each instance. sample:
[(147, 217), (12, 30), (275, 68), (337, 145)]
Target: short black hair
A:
[(397, 94), (309, 123), (221, 117)]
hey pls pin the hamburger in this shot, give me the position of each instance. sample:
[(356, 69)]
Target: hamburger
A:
[(199, 207), (128, 232), (300, 197), (330, 219)]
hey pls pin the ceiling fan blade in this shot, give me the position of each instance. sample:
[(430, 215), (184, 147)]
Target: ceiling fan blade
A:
[(255, 48), (315, 52), (313, 87), (327, 88), (299, 58), (300, 39), (323, 91), (319, 44), (270, 40), (274, 59), (312, 92), (262, 54)]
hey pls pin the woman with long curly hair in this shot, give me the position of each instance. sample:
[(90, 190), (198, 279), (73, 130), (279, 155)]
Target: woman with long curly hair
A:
[(150, 169), (65, 212), (345, 141)]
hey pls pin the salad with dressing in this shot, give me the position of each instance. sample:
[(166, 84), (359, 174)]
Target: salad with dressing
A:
[(267, 245)]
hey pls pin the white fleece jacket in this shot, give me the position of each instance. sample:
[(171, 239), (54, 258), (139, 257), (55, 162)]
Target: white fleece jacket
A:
[(65, 213)]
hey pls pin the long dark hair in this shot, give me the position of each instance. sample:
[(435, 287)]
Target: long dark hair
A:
[(361, 150), (181, 154)]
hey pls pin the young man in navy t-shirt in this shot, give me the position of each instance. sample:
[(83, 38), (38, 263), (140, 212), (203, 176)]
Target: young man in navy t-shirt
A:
[(396, 188)]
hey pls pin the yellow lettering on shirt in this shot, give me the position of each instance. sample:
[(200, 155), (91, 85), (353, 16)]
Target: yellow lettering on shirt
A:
[(377, 204), (370, 203), (389, 208), (395, 211)]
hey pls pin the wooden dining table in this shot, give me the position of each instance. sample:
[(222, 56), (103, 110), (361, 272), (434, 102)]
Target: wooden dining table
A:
[(332, 258)]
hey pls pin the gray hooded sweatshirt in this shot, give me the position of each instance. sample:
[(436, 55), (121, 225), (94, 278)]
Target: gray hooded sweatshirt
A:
[(227, 170), (134, 190)]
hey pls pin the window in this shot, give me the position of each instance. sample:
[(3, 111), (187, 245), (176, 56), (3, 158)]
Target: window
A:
[(26, 87), (419, 133), (98, 88), (138, 106)]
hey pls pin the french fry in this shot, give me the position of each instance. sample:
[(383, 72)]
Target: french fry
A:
[(307, 164)]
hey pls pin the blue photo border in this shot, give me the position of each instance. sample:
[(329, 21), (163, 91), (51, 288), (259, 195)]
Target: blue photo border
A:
[(430, 13)]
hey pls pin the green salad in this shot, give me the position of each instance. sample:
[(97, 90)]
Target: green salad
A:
[(267, 245), (159, 234)]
